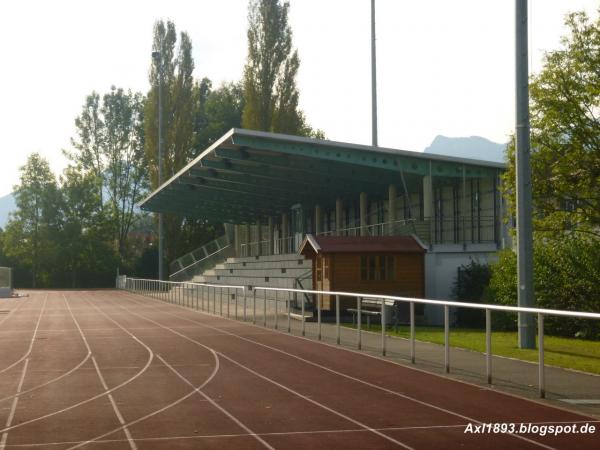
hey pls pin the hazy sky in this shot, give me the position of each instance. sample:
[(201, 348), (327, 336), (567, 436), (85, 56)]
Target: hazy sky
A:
[(444, 67)]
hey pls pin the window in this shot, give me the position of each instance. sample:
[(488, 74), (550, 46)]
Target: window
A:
[(377, 268)]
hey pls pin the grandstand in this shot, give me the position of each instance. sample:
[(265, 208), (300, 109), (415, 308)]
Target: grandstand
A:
[(271, 190)]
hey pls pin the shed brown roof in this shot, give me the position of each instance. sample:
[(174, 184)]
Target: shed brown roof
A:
[(362, 244)]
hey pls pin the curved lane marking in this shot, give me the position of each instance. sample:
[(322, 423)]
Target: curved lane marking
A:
[(104, 385), (95, 397), (350, 377), (281, 386), (37, 325), (53, 380), (164, 408)]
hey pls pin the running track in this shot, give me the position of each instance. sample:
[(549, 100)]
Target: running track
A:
[(115, 370)]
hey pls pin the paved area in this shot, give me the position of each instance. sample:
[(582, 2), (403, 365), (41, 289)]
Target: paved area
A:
[(113, 369)]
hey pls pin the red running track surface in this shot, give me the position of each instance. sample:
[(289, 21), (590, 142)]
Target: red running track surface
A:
[(115, 370)]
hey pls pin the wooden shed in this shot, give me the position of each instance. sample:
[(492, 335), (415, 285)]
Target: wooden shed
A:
[(392, 265)]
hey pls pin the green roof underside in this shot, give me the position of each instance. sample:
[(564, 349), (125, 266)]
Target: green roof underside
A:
[(249, 175)]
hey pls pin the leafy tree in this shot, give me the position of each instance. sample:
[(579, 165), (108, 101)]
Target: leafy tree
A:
[(126, 170), (565, 134), (179, 102), (86, 256), (110, 148), (219, 110), (471, 285), (30, 235), (270, 91), (89, 144), (566, 276)]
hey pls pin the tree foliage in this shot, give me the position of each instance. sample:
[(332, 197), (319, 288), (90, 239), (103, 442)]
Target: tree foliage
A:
[(109, 147), (471, 285), (566, 276), (565, 134), (270, 91), (28, 235)]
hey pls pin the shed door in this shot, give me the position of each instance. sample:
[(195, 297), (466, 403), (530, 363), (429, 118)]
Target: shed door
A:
[(323, 272)]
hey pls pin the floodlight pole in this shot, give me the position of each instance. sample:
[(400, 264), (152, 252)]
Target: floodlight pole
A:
[(523, 182), (161, 235), (373, 77)]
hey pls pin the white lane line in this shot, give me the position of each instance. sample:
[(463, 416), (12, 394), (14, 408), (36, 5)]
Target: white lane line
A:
[(14, 310), (39, 386), (267, 434), (37, 325), (216, 405), (281, 386), (389, 391), (115, 407), (90, 399), (164, 408), (104, 385), (13, 408)]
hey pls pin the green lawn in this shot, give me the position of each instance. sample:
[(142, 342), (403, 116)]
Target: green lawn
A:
[(576, 354)]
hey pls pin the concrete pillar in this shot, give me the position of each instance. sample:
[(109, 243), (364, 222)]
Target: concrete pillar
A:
[(392, 194), (428, 197), (285, 245), (258, 237), (270, 238), (363, 214), (318, 219), (248, 238), (236, 240), (338, 216)]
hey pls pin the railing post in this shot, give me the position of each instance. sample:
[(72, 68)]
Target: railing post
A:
[(236, 303), (383, 347), (412, 332), (215, 300), (446, 338), (254, 305), (488, 345), (221, 301), (319, 321), (358, 323), (265, 310), (228, 301), (337, 319), (276, 307), (542, 380), (302, 309), (289, 313)]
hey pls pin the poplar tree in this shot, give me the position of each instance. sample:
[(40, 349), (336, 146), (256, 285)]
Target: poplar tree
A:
[(270, 92), (179, 103)]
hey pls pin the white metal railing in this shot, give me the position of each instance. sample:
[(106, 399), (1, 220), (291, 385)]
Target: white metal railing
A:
[(198, 296), (445, 230), (201, 259)]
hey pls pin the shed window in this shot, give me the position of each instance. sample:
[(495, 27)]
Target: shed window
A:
[(377, 268)]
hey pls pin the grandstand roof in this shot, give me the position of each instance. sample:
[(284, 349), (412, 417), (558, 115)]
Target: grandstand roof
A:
[(247, 175)]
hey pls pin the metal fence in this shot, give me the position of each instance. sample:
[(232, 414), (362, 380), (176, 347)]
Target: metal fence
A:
[(252, 303), (6, 277)]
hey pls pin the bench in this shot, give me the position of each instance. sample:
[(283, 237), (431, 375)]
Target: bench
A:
[(366, 312)]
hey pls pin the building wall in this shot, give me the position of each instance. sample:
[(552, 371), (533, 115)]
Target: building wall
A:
[(441, 267)]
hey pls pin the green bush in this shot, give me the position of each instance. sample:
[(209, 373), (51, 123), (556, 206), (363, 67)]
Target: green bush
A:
[(566, 276), (471, 285)]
